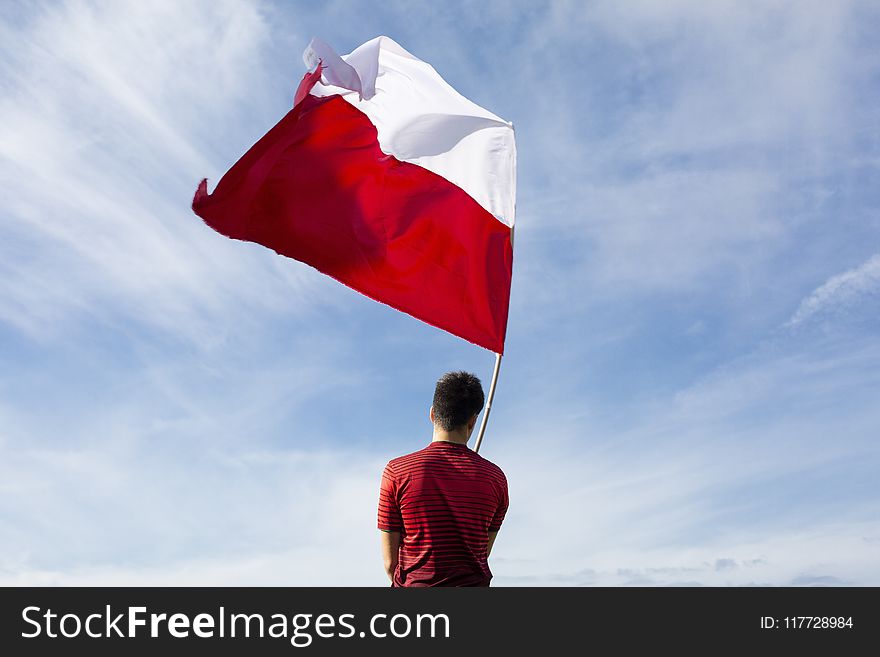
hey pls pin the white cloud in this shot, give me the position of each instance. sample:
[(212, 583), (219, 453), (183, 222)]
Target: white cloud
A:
[(827, 553), (111, 114), (692, 151), (843, 291), (268, 519)]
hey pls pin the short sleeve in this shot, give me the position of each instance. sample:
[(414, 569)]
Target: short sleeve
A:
[(501, 511), (390, 519)]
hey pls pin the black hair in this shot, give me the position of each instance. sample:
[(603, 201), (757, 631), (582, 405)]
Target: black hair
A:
[(457, 398)]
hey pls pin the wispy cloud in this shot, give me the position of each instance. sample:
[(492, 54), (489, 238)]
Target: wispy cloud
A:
[(860, 285), (755, 458), (110, 114), (702, 139)]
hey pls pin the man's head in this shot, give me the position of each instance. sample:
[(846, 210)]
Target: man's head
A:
[(458, 399)]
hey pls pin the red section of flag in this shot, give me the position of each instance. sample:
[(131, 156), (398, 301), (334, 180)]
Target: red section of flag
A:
[(317, 188), (305, 86)]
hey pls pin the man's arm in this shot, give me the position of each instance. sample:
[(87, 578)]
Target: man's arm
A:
[(500, 512), (390, 520), (390, 549), (491, 542)]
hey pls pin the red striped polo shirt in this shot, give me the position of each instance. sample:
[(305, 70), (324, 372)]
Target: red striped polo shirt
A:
[(444, 499)]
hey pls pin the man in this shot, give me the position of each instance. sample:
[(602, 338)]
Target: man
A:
[(441, 507)]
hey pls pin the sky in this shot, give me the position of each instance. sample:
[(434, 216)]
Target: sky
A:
[(689, 389)]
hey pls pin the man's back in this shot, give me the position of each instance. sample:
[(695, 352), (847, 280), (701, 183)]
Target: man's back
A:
[(444, 499)]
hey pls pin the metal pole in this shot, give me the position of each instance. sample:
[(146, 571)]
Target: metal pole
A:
[(491, 386), (488, 403)]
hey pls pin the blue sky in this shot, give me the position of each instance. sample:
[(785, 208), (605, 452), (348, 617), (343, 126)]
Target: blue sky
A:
[(689, 393)]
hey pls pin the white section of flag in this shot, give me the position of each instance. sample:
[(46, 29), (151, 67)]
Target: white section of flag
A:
[(422, 120)]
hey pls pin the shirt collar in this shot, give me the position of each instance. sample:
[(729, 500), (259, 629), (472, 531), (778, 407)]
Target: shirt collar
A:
[(446, 443)]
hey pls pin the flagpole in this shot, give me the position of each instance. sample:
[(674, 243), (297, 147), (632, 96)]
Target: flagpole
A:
[(491, 386), (488, 403)]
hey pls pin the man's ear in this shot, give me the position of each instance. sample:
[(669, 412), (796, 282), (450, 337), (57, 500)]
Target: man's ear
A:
[(431, 414), (473, 421)]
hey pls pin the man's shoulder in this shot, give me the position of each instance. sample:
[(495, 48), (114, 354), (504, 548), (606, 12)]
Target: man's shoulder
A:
[(490, 466), (407, 459)]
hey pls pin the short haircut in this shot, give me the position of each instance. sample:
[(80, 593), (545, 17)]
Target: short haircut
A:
[(457, 398)]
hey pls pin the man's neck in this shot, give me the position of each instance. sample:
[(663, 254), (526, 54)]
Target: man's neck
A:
[(459, 437)]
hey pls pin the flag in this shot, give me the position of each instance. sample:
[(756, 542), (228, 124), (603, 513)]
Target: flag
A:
[(390, 181)]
